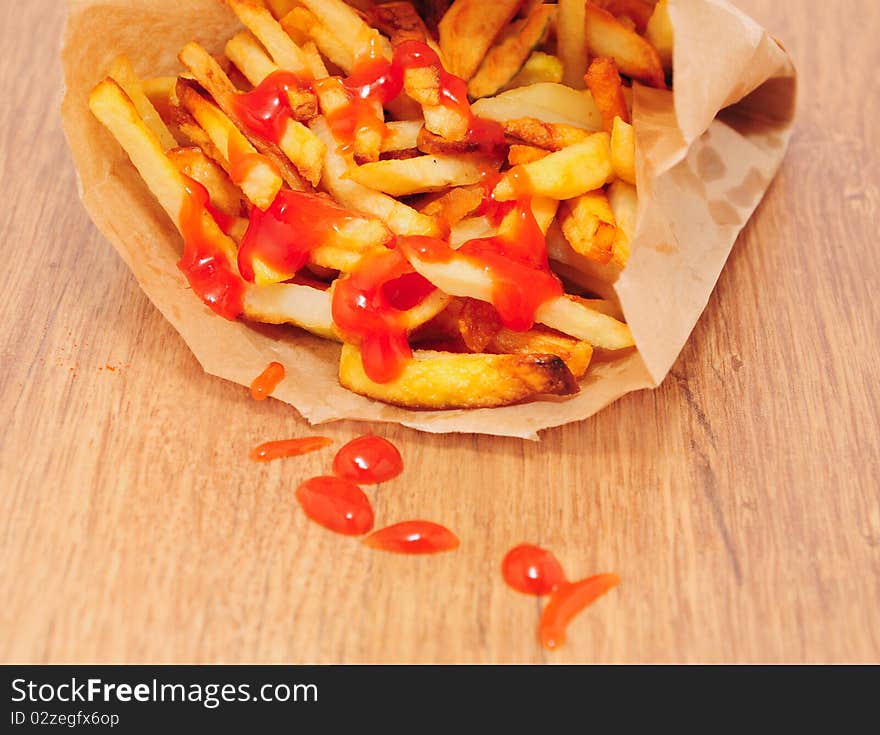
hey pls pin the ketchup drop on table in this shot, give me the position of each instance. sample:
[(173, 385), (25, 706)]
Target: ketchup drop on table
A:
[(267, 381), (413, 537), (536, 571), (289, 448), (368, 460), (337, 504)]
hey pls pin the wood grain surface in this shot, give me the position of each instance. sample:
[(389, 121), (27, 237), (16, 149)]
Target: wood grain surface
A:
[(740, 502)]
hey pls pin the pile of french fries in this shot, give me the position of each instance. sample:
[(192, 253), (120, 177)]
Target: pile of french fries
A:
[(555, 78)]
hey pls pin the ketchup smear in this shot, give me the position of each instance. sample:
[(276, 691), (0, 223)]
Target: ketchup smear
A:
[(267, 381), (204, 263), (368, 307), (516, 262), (283, 236), (535, 571), (266, 109), (289, 448), (413, 537), (337, 504), (368, 460)]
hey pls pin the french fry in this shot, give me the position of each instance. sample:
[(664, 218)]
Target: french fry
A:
[(550, 136), (348, 26), (606, 36), (623, 151), (280, 8), (539, 68), (572, 42), (402, 135), (213, 79), (469, 29), (637, 11), (401, 219), (660, 34), (576, 354), (301, 24), (597, 278), (471, 228), (564, 174), (122, 72), (519, 154), (455, 204), (625, 204), (195, 164), (603, 81), (117, 113), (589, 226), (417, 175), (461, 277), (504, 60), (443, 380), (547, 102), (399, 21), (288, 303), (255, 175), (263, 25)]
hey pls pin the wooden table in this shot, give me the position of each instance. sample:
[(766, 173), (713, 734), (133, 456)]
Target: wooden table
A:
[(740, 502)]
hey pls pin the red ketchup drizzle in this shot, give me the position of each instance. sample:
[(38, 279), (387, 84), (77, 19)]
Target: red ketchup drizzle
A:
[(368, 460), (336, 504), (413, 537), (488, 135), (536, 571), (566, 602), (532, 570), (283, 236), (267, 381), (289, 448), (516, 262), (203, 263), (266, 109), (365, 308)]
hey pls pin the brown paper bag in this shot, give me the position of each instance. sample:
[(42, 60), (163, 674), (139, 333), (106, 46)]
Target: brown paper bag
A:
[(705, 156)]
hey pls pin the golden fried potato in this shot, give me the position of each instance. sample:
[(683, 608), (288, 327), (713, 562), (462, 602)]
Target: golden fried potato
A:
[(519, 154), (589, 226), (193, 162), (660, 34), (603, 81), (469, 29), (550, 136), (576, 354), (623, 151), (636, 11), (123, 73), (607, 36), (444, 380), (402, 177), (288, 303), (572, 42), (547, 102), (539, 68)]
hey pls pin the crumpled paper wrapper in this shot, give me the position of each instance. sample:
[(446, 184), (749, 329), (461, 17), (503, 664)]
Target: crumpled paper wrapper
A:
[(705, 157)]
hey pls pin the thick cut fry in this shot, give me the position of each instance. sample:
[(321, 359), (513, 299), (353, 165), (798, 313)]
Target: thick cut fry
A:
[(603, 81), (461, 277), (423, 85), (587, 274), (209, 74), (122, 72), (402, 135), (478, 323), (401, 219), (623, 151), (606, 36), (638, 11), (509, 55), (519, 154), (660, 34), (263, 25), (564, 174), (193, 162), (547, 102), (589, 226), (550, 136), (434, 144), (334, 98), (539, 68), (417, 175), (572, 42), (399, 21), (288, 303), (625, 204), (348, 26), (280, 8), (471, 228), (117, 113), (257, 177), (576, 354), (302, 25), (455, 204), (469, 29), (444, 380)]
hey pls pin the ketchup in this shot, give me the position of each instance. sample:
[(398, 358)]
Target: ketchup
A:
[(516, 262), (364, 309), (289, 448), (535, 571), (267, 381), (368, 460), (283, 236), (566, 602), (205, 265), (532, 570), (266, 109), (338, 505), (413, 537), (242, 161)]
